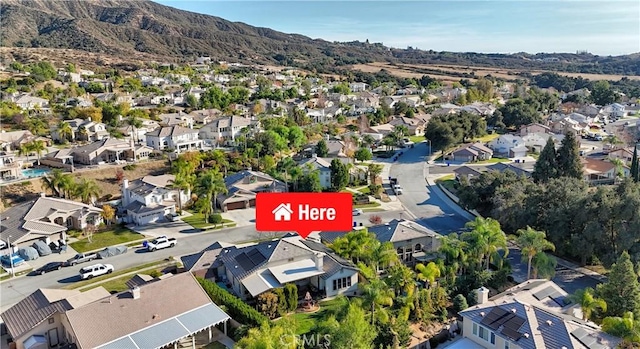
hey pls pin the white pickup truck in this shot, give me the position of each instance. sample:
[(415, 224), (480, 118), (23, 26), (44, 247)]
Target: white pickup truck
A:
[(161, 242)]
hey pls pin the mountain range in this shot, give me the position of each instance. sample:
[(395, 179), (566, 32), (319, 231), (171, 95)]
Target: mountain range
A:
[(129, 28)]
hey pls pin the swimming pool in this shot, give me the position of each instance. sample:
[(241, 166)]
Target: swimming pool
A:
[(35, 172)]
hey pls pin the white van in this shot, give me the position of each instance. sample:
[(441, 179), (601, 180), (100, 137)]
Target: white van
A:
[(95, 270)]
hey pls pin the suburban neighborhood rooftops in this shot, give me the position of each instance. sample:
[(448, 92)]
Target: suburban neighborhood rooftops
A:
[(395, 230), (170, 131), (155, 319)]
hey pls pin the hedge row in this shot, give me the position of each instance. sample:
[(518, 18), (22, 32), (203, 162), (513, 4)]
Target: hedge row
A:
[(236, 308)]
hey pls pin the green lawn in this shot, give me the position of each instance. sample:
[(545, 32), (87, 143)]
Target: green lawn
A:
[(416, 139), (196, 220), (116, 236), (369, 205), (492, 161), (119, 284), (487, 138), (95, 281), (365, 190), (306, 321)]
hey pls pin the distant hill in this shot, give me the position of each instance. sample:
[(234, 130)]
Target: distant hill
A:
[(130, 28)]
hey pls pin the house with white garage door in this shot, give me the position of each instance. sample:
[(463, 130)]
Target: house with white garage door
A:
[(150, 199)]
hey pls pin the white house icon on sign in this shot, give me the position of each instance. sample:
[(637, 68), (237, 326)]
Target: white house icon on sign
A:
[(282, 212)]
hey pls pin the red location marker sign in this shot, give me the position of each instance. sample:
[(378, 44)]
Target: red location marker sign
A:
[(304, 212)]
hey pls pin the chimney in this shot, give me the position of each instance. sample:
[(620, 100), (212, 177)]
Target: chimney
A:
[(314, 155), (43, 195), (319, 259), (482, 295), (125, 183), (135, 292)]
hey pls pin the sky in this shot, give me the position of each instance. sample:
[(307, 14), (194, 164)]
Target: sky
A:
[(604, 27)]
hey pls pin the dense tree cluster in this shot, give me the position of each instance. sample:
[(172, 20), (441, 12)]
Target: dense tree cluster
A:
[(445, 131), (565, 163)]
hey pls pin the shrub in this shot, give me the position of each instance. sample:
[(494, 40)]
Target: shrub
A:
[(129, 167), (459, 303), (268, 304), (215, 218), (375, 219), (282, 301), (238, 310), (291, 292), (119, 176), (472, 298), (155, 273)]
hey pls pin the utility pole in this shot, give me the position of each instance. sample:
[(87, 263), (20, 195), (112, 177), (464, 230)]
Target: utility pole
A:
[(13, 272)]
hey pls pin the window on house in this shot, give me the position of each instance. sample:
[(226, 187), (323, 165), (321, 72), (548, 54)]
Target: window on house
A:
[(51, 320), (506, 345), (335, 285), (485, 334), (339, 283), (475, 329)]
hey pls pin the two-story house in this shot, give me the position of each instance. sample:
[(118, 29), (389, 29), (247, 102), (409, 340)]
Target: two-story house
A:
[(413, 242), (242, 188), (10, 168), (151, 199), (224, 130), (176, 119), (83, 130), (28, 102), (536, 314), (176, 138), (13, 140), (509, 145), (99, 152)]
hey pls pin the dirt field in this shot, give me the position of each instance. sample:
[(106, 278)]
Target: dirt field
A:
[(105, 177), (409, 71)]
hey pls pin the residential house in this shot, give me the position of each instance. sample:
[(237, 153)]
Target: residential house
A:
[(176, 138), (83, 130), (413, 242), (151, 199), (367, 100), (414, 125), (535, 142), (479, 108), (466, 173), (10, 168), (583, 92), (600, 172), (615, 110), (13, 140), (146, 316), (358, 86), (565, 125), (535, 314), (242, 188), (115, 97), (471, 152), (139, 133), (623, 154), (224, 130), (205, 116), (176, 119), (520, 168), (446, 109), (509, 145), (103, 151), (337, 148), (590, 110), (44, 217), (252, 269), (323, 166), (381, 130), (28, 102), (534, 128)]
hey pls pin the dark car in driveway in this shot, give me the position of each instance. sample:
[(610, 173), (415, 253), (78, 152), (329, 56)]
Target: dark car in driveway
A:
[(49, 267)]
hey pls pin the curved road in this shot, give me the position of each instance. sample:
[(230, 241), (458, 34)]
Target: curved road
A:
[(428, 205)]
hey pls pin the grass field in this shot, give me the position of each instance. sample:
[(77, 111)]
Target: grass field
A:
[(96, 280), (117, 236), (196, 220), (492, 161), (416, 139), (369, 205), (306, 321)]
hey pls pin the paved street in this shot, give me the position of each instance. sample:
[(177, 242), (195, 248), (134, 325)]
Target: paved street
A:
[(15, 290), (429, 208)]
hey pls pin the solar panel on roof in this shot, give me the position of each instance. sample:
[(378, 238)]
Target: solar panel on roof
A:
[(244, 261), (544, 293), (588, 341), (512, 334), (256, 257)]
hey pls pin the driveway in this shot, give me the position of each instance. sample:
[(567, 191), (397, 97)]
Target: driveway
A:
[(175, 229)]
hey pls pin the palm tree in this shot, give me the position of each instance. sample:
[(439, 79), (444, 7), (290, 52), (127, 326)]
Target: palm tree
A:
[(135, 124), (25, 149), (619, 167), (385, 255), (38, 147), (182, 182), (389, 142), (83, 134), (486, 238), (211, 184), (612, 141), (219, 159), (374, 171), (428, 273), (376, 294), (588, 302), (53, 180), (401, 279), (67, 186), (531, 242), (626, 327), (64, 131), (87, 190)]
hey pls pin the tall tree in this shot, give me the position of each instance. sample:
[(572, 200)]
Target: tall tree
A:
[(588, 302), (210, 183), (532, 242), (87, 190), (322, 150), (108, 213), (569, 164), (485, 239), (635, 175), (65, 133), (626, 327), (427, 273), (374, 171), (38, 147), (546, 166), (622, 290), (376, 294), (339, 175), (353, 331)]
